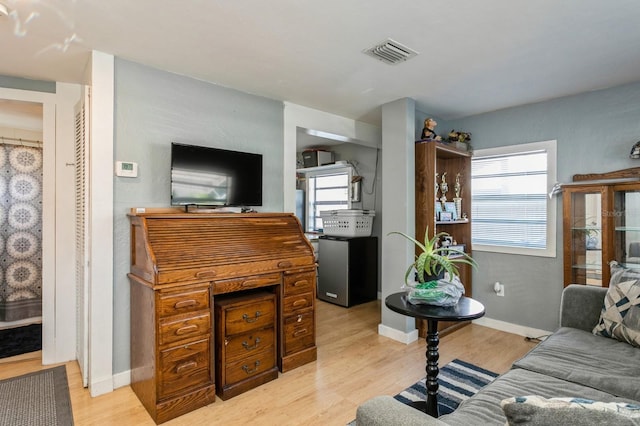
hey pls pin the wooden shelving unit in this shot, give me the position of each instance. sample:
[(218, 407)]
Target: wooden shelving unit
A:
[(433, 157)]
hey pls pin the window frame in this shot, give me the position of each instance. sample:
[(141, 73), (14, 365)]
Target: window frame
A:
[(550, 147), (324, 171)]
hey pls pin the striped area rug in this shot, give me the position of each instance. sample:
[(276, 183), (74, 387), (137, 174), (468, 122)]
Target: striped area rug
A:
[(458, 381)]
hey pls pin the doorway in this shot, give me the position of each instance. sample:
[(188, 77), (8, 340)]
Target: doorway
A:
[(21, 174)]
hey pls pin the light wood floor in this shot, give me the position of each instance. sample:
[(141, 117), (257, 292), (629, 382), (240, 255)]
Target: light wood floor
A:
[(354, 364)]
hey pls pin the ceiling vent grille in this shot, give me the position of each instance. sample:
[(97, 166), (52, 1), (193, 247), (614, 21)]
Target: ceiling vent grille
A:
[(391, 52)]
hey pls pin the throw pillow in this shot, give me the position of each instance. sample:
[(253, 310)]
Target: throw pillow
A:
[(536, 410), (620, 315)]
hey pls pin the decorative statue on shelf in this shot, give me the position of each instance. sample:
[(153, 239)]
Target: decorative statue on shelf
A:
[(444, 187), (437, 185), (428, 131), (457, 200)]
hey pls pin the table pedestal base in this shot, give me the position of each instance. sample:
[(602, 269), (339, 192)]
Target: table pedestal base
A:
[(433, 356)]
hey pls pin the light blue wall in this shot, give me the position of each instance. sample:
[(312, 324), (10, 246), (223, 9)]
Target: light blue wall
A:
[(27, 84), (154, 108), (595, 132)]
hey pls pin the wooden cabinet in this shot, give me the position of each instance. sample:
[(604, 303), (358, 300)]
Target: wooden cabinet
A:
[(171, 348), (433, 160), (181, 264), (298, 319), (601, 223), (245, 342)]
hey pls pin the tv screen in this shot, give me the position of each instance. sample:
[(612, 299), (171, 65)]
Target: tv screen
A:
[(214, 177)]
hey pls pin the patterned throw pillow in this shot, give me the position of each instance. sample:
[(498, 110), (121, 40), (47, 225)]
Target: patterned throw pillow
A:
[(536, 410), (620, 315)]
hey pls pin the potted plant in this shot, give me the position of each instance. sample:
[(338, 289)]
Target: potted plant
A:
[(430, 265)]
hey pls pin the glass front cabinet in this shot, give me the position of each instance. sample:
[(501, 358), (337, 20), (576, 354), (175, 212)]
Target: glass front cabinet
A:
[(601, 223)]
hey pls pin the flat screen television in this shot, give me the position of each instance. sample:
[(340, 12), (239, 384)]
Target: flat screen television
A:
[(205, 176)]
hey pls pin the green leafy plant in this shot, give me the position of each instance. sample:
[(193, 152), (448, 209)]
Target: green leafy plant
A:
[(433, 260)]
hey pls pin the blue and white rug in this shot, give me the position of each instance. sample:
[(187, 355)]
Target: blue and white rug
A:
[(458, 381)]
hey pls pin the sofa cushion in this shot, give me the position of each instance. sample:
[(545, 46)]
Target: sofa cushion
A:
[(536, 410), (620, 315), (580, 357), (484, 407)]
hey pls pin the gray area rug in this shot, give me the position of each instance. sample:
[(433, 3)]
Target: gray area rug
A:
[(36, 399)]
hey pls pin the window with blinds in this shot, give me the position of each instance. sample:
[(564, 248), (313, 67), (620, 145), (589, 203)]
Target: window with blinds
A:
[(326, 192), (512, 211)]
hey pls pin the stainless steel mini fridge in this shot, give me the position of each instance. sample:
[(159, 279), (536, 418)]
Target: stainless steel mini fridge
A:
[(347, 270)]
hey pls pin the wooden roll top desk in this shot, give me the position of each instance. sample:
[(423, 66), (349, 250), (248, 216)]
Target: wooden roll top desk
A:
[(180, 262)]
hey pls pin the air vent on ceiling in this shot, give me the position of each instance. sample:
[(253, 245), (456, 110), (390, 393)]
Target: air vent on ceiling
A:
[(391, 52)]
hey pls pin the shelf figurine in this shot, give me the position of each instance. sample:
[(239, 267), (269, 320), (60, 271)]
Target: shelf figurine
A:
[(428, 131), (457, 200), (444, 188)]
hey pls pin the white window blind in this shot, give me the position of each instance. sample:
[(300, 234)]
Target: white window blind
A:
[(512, 212)]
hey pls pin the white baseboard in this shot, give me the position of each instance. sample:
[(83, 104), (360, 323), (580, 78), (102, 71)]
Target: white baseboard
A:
[(511, 328), (397, 335), (122, 379), (101, 387)]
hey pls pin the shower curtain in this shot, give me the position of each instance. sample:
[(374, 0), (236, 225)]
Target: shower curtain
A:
[(20, 232)]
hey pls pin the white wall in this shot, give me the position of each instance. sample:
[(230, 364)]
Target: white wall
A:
[(100, 169)]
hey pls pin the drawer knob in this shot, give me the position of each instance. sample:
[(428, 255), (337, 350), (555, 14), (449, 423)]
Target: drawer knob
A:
[(250, 320), (186, 366), (300, 332), (184, 304), (205, 274), (250, 283), (249, 370), (186, 329), (300, 283), (299, 319), (300, 302), (245, 344), (284, 264)]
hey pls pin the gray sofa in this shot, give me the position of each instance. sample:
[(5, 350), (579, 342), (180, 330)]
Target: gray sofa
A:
[(572, 362)]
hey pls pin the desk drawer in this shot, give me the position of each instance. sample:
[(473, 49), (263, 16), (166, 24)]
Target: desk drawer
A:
[(297, 303), (244, 345), (247, 315), (249, 366), (184, 367), (246, 283), (299, 332), (302, 282), (184, 301), (180, 327)]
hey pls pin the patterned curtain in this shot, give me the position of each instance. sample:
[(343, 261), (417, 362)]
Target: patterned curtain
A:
[(20, 232)]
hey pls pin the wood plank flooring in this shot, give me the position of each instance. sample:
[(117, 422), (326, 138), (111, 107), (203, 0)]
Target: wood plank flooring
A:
[(354, 364)]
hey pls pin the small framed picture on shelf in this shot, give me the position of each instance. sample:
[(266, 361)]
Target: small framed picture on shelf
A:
[(446, 216), (450, 207)]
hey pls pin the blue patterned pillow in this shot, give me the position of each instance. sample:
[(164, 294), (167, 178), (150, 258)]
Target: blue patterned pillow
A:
[(536, 410), (620, 315)]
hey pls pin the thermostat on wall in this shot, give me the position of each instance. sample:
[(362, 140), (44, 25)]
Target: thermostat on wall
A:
[(126, 169)]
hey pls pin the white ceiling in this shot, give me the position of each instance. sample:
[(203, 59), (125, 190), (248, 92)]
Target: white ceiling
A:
[(474, 56)]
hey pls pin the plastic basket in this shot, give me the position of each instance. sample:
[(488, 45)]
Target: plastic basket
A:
[(347, 223)]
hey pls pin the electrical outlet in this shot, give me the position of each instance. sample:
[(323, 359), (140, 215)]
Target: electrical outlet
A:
[(499, 289)]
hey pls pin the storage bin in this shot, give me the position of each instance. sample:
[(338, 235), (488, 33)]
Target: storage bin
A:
[(347, 223)]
